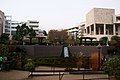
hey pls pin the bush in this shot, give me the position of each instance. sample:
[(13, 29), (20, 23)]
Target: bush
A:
[(112, 67), (29, 66)]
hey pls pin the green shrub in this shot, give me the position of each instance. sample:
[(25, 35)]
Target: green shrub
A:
[(112, 67), (29, 66)]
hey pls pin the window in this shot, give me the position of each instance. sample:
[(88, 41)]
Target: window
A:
[(88, 31), (99, 29), (109, 29)]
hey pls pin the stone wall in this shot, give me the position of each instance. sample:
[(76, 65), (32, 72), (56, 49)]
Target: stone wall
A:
[(56, 51)]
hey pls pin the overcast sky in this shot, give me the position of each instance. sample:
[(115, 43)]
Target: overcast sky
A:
[(54, 14)]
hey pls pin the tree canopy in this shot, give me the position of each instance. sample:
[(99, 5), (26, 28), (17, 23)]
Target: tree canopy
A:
[(57, 37), (23, 31)]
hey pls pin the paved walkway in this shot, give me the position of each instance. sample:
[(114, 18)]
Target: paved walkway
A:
[(13, 75), (23, 75)]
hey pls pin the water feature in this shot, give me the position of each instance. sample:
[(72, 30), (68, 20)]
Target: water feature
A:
[(66, 53)]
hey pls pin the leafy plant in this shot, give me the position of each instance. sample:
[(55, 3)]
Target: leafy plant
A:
[(29, 65), (112, 67), (103, 40)]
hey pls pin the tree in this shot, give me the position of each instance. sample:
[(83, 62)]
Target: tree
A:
[(112, 67), (19, 59), (4, 37), (45, 33), (115, 40), (56, 36), (32, 34), (23, 31), (103, 40), (79, 60)]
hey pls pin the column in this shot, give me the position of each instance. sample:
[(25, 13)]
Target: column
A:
[(86, 30), (90, 30), (114, 29), (104, 29), (94, 29)]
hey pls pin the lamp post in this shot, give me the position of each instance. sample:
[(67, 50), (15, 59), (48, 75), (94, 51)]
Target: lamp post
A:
[(99, 48)]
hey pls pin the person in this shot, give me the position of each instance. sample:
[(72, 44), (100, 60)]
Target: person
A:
[(1, 61), (5, 64)]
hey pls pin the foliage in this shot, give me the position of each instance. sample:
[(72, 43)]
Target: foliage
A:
[(115, 40), (79, 60), (114, 51), (29, 66), (70, 41), (19, 57), (77, 41), (16, 56), (45, 33), (20, 32), (67, 63), (57, 37), (23, 31), (103, 40), (32, 33), (112, 67), (4, 37), (4, 50)]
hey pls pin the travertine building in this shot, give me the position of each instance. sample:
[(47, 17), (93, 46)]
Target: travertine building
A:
[(102, 22)]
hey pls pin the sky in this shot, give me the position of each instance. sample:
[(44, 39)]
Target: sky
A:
[(54, 14)]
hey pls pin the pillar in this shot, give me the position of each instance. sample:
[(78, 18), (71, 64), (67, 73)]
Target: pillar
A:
[(104, 29), (94, 29), (90, 30), (114, 29)]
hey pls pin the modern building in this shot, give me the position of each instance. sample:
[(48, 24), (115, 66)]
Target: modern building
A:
[(10, 26), (73, 32), (35, 25), (2, 21), (102, 22), (14, 24)]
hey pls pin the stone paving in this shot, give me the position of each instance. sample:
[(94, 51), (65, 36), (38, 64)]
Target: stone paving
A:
[(23, 75)]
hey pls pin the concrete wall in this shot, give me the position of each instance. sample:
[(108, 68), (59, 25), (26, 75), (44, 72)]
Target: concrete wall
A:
[(43, 51), (90, 18), (88, 50), (56, 51), (100, 16), (104, 16)]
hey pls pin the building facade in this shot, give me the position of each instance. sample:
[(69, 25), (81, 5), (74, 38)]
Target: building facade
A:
[(33, 24), (10, 26), (73, 32), (102, 22), (2, 22)]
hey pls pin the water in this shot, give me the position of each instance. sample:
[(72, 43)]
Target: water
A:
[(66, 53)]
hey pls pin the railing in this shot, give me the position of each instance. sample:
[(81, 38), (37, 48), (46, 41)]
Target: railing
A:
[(61, 73)]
